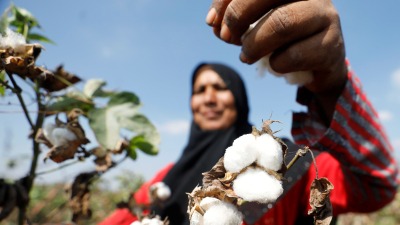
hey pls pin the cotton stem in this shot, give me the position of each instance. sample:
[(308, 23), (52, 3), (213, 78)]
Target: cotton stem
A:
[(300, 153)]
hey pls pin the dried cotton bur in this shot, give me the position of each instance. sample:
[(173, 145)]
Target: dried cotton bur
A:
[(18, 57), (251, 170), (321, 206)]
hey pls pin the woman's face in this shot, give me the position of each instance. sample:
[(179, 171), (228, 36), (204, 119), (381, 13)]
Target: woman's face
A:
[(213, 104)]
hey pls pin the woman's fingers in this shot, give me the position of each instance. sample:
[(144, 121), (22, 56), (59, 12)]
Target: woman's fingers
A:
[(286, 25), (231, 18)]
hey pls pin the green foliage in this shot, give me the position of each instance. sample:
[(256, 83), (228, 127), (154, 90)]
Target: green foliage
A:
[(22, 21), (109, 114), (2, 80)]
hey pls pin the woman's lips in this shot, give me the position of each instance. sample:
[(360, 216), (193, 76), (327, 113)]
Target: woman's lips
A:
[(211, 114)]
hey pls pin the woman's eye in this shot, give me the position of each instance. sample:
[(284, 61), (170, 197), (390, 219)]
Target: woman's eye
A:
[(199, 90), (220, 87)]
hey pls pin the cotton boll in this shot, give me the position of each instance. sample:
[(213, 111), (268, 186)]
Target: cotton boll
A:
[(244, 140), (236, 158), (256, 185), (299, 78), (136, 223), (223, 214), (62, 136), (163, 192), (270, 155), (48, 130), (264, 66), (155, 221), (208, 202), (196, 219), (145, 221), (12, 39)]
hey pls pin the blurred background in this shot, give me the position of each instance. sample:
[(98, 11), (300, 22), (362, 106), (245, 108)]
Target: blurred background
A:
[(150, 47)]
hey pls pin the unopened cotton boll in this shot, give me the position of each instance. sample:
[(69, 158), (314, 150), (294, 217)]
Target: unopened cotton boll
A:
[(223, 214), (256, 185), (270, 155)]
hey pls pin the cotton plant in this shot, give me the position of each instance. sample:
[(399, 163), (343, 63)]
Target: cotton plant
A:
[(251, 170)]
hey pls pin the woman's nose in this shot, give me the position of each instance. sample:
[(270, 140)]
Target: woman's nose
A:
[(210, 95)]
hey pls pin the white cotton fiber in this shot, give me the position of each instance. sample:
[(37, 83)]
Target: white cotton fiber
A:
[(62, 136), (256, 185), (196, 219), (244, 140), (223, 214), (270, 155), (154, 221), (136, 223), (48, 130), (299, 78), (162, 190), (236, 158), (12, 39), (207, 202)]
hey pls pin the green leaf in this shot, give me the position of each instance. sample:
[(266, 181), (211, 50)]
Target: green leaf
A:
[(124, 97), (93, 88), (132, 152), (147, 138), (3, 79), (141, 143), (4, 22), (66, 103), (106, 122), (38, 37), (25, 16)]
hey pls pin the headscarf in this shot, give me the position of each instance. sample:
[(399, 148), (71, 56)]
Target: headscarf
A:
[(204, 149)]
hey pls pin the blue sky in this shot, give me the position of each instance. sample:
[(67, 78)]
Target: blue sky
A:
[(150, 47)]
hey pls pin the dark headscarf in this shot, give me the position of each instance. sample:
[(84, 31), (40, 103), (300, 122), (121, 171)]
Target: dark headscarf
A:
[(204, 149)]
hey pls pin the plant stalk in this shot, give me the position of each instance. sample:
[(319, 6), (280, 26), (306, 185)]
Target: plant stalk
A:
[(17, 90), (36, 151)]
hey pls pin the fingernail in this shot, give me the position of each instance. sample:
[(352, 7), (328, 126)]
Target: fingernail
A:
[(225, 33), (211, 16), (244, 58)]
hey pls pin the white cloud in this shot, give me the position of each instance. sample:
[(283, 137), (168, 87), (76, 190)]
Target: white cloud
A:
[(175, 127), (396, 78), (385, 115)]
